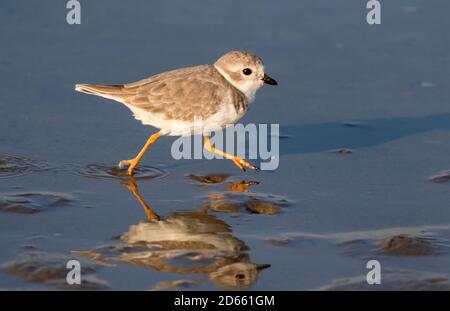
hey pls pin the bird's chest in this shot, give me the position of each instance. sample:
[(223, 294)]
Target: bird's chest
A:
[(226, 114)]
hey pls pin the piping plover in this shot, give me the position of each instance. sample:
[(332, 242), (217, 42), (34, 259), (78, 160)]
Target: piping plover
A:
[(192, 100)]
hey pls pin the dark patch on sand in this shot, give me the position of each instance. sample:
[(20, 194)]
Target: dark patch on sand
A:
[(210, 179), (442, 177), (398, 245), (408, 246), (32, 202), (342, 151)]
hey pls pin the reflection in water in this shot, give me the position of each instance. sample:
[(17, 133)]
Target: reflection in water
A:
[(131, 185), (113, 171), (51, 270), (192, 242), (189, 242), (238, 198)]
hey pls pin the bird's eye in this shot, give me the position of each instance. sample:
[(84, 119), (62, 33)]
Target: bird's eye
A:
[(247, 71)]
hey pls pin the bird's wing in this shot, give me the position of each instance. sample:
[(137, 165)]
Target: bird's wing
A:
[(180, 94)]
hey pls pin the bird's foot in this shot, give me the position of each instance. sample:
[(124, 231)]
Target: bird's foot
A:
[(242, 164), (131, 163)]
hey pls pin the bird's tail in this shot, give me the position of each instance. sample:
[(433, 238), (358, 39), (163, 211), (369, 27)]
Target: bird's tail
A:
[(114, 91)]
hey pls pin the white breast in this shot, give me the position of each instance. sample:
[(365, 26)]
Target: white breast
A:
[(224, 116)]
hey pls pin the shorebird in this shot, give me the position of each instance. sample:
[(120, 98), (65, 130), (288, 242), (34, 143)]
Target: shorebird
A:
[(192, 100)]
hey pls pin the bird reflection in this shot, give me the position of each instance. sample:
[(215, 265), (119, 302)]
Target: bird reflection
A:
[(190, 242), (195, 241)]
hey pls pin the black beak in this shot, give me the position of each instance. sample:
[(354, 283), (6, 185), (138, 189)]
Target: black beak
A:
[(269, 80), (262, 267)]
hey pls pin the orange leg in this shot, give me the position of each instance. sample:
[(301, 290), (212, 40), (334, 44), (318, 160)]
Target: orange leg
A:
[(131, 185), (133, 162), (236, 160)]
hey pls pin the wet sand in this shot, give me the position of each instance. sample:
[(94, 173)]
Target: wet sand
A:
[(365, 150)]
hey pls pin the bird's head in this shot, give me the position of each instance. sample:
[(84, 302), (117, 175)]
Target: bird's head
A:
[(243, 70)]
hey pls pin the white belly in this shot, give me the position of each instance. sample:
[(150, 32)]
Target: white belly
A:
[(225, 116)]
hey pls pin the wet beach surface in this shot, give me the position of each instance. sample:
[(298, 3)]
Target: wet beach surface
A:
[(364, 120)]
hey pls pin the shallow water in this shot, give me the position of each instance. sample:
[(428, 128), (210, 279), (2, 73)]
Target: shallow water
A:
[(380, 92)]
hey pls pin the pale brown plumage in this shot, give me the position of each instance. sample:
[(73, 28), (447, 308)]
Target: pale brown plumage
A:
[(180, 94)]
